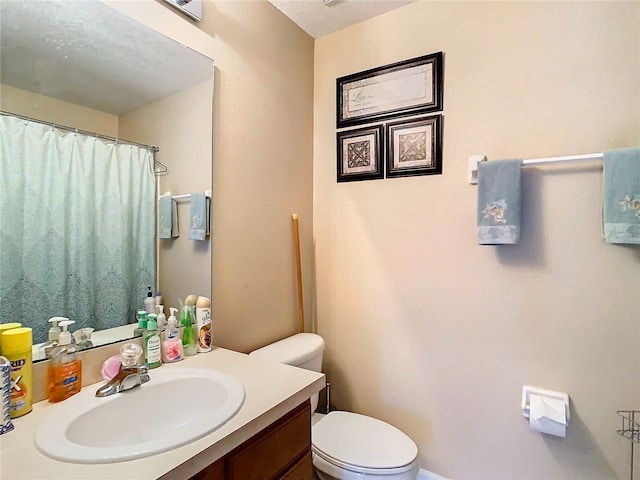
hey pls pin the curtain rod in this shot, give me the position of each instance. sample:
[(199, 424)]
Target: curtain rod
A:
[(152, 148), (475, 159)]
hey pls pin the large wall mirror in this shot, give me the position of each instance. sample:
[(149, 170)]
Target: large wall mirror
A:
[(86, 66)]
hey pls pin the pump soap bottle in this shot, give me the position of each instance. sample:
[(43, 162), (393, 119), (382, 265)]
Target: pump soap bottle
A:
[(151, 344), (65, 372), (172, 350)]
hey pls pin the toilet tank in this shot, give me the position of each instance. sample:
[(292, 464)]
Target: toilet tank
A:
[(303, 350)]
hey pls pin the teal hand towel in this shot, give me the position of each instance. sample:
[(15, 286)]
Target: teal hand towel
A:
[(167, 217), (199, 217), (499, 200), (621, 195)]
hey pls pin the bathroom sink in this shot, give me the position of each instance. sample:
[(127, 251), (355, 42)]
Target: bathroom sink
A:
[(176, 407)]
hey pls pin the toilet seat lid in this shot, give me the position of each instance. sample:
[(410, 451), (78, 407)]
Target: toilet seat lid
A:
[(359, 441)]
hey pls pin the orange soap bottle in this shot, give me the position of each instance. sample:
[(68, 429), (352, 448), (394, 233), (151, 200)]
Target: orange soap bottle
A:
[(65, 372)]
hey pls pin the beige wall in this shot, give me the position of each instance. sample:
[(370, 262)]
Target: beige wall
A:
[(49, 109), (262, 170), (262, 161), (180, 125), (437, 335)]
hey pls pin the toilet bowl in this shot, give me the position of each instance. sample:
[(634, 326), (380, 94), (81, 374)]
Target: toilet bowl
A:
[(345, 445)]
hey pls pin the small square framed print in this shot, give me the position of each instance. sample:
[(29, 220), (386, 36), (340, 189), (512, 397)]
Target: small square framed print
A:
[(360, 154), (414, 147)]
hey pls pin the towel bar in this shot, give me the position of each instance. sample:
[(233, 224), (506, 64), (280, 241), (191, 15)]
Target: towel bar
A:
[(474, 159)]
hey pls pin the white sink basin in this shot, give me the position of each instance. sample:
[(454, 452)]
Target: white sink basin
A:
[(177, 406)]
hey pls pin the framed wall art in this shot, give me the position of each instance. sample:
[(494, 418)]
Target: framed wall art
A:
[(410, 87), (360, 154), (414, 147)]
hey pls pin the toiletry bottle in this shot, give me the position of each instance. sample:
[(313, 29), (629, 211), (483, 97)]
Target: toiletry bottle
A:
[(65, 371), (151, 344), (203, 324), (162, 319), (16, 347), (7, 326), (142, 324), (158, 298), (149, 302), (172, 350), (188, 336)]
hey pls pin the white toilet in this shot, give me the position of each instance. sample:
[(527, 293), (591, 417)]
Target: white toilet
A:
[(346, 446)]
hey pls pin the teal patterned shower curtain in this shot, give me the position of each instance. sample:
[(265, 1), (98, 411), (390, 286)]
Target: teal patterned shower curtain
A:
[(77, 227)]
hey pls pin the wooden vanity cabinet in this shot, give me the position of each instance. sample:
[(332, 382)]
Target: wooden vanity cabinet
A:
[(280, 451)]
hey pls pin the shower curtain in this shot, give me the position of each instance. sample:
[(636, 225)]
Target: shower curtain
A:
[(77, 227)]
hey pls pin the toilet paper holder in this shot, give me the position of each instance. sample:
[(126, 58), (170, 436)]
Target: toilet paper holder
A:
[(528, 390)]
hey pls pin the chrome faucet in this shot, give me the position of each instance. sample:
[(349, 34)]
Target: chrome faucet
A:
[(130, 375)]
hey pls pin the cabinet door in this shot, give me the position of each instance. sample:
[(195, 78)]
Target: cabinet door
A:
[(302, 470), (271, 452)]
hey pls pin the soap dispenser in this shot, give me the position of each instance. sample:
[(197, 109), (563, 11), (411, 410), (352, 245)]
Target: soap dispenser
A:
[(65, 371), (172, 350), (151, 344)]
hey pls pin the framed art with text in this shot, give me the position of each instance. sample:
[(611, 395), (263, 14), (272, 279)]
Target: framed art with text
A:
[(360, 154), (414, 147), (410, 87)]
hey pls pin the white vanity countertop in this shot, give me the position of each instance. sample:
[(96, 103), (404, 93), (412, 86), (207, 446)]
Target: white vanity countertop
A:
[(271, 391)]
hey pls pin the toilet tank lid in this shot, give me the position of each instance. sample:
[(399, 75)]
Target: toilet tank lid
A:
[(293, 350)]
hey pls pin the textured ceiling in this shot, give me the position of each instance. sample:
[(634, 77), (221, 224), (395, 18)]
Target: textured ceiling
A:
[(318, 19), (86, 53)]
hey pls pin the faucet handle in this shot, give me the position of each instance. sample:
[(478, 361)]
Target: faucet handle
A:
[(130, 353)]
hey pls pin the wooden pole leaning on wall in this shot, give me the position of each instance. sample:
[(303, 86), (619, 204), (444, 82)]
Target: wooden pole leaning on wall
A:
[(296, 241)]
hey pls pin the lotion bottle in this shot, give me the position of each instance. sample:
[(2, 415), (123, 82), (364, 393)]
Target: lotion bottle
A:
[(65, 371), (149, 302), (151, 344), (172, 350)]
